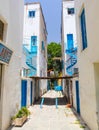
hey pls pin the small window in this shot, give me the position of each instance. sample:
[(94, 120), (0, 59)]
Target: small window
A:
[(71, 11), (43, 48), (83, 30), (33, 40), (31, 14), (1, 30)]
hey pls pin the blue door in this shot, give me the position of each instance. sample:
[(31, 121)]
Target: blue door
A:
[(23, 93), (77, 97), (31, 94)]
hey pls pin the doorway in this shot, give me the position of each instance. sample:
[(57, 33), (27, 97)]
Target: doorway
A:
[(23, 93), (77, 97)]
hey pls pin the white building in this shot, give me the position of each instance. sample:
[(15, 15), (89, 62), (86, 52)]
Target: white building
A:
[(11, 32), (68, 33), (35, 40), (87, 22), (69, 53)]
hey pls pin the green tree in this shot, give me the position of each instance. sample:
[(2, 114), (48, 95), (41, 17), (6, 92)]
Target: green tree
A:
[(54, 52)]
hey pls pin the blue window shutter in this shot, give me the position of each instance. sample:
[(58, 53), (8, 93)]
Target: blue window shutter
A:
[(33, 40), (71, 11), (31, 14), (70, 41), (83, 30), (34, 44)]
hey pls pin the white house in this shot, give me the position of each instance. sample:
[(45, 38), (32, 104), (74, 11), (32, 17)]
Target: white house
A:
[(11, 33), (87, 22), (69, 53), (35, 41), (68, 34)]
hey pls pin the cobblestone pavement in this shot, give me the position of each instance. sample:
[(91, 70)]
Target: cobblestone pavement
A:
[(52, 118)]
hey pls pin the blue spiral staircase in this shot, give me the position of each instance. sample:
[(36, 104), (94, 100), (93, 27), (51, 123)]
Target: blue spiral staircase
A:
[(71, 61), (30, 61)]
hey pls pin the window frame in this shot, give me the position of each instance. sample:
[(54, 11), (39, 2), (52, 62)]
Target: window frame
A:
[(34, 46), (31, 13), (83, 29), (33, 38), (71, 11)]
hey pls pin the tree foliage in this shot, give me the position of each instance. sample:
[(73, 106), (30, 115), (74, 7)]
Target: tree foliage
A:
[(54, 50)]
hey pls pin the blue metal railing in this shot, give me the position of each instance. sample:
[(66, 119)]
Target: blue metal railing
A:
[(72, 53), (30, 61)]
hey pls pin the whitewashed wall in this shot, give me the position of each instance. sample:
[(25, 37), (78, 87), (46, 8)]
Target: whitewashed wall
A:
[(36, 26), (87, 59), (11, 13), (43, 53), (31, 25), (68, 27)]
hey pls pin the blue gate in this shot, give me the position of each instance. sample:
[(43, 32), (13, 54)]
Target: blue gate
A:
[(23, 93), (31, 94), (77, 97)]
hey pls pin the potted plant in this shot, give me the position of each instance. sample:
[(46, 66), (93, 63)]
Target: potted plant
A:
[(20, 117)]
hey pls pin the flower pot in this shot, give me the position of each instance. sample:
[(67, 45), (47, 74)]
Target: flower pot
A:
[(19, 121)]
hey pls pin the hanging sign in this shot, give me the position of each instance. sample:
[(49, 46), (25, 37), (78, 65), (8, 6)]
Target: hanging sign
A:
[(5, 54)]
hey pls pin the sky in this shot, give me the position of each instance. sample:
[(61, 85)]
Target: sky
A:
[(52, 15)]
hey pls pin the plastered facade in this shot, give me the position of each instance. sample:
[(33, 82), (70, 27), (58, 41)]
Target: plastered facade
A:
[(12, 38), (88, 62)]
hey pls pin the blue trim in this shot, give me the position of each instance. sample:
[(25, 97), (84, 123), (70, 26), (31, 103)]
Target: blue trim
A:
[(33, 40), (83, 29), (34, 44), (31, 93), (70, 41), (71, 11), (23, 93), (77, 97), (31, 14)]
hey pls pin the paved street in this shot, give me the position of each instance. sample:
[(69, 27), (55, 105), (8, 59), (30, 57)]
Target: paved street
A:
[(50, 118)]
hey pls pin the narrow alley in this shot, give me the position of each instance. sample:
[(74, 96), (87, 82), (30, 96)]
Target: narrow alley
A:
[(48, 117)]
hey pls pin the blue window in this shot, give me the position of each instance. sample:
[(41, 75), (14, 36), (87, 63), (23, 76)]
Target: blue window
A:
[(33, 40), (83, 30), (70, 41), (43, 48), (31, 14), (34, 44), (70, 11)]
